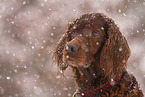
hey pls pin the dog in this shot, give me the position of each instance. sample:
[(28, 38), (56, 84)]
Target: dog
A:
[(97, 52)]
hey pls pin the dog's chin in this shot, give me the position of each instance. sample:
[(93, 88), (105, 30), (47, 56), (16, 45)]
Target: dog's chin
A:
[(78, 64)]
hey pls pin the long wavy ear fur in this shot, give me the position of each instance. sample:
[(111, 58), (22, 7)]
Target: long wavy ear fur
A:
[(59, 52), (115, 52)]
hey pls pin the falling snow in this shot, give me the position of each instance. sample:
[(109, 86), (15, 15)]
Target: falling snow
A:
[(8, 77), (120, 49), (112, 82), (30, 30), (97, 43), (102, 28)]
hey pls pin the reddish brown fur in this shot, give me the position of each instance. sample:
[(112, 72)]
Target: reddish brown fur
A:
[(99, 57)]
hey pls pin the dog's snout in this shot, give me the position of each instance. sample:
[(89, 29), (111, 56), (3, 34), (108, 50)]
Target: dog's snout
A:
[(71, 48)]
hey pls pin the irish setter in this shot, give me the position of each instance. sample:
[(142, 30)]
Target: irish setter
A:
[(97, 52)]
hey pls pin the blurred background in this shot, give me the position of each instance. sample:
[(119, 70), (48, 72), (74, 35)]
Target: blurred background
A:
[(30, 30)]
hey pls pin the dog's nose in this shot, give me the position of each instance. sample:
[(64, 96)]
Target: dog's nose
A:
[(71, 48)]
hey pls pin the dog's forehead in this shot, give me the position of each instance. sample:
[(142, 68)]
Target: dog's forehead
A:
[(86, 30), (87, 27), (88, 24)]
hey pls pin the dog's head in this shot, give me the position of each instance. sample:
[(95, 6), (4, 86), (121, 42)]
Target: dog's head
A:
[(93, 38)]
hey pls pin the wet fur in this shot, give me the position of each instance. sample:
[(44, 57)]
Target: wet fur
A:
[(110, 58)]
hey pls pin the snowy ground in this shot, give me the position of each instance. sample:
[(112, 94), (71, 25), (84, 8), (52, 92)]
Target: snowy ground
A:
[(30, 29)]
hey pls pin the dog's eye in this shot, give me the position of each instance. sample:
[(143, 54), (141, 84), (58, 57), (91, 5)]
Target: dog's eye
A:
[(95, 34)]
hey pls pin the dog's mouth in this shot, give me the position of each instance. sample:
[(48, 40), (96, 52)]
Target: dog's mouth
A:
[(76, 63), (78, 59)]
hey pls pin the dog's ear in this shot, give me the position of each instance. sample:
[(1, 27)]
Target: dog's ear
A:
[(58, 53), (115, 51)]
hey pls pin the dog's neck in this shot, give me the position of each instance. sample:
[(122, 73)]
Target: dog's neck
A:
[(92, 79), (88, 78)]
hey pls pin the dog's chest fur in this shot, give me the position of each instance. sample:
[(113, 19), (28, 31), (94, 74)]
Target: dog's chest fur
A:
[(127, 86)]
